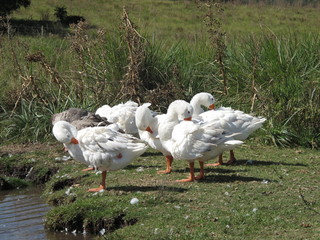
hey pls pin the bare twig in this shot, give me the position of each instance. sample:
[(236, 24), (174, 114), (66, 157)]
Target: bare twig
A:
[(306, 203)]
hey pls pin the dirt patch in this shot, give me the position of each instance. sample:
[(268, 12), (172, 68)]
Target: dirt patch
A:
[(26, 147), (61, 184), (31, 162)]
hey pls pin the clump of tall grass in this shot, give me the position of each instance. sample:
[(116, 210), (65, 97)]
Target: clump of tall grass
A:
[(278, 77)]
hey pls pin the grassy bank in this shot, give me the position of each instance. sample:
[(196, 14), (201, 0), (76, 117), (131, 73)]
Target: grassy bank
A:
[(270, 193), (25, 164)]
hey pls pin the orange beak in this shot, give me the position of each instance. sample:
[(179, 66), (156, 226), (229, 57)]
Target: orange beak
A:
[(211, 106), (188, 119), (74, 141), (149, 130)]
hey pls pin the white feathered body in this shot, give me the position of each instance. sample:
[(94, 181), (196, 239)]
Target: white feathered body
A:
[(145, 118), (192, 140), (101, 147), (123, 114), (234, 121)]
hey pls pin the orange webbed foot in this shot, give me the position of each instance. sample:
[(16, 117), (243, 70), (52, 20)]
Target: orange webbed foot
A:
[(164, 171), (97, 189), (214, 164), (185, 180), (199, 177), (87, 169)]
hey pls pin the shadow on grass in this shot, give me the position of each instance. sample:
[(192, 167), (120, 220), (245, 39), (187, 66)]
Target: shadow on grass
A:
[(209, 169), (35, 27), (232, 178), (135, 166), (148, 188), (251, 162), (151, 154)]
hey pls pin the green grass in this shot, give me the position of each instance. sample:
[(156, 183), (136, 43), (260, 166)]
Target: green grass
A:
[(270, 193), (7, 183), (176, 20)]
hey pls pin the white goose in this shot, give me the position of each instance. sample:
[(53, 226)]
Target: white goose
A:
[(100, 147), (233, 121), (122, 114), (148, 125), (191, 141)]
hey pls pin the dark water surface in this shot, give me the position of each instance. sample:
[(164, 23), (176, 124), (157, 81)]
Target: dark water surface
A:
[(22, 217)]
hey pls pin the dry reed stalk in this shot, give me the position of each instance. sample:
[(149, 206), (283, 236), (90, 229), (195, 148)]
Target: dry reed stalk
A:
[(217, 36), (132, 84), (40, 58)]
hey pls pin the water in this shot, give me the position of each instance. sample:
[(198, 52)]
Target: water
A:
[(21, 217)]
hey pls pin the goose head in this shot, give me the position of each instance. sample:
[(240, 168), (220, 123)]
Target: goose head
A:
[(202, 99), (144, 118), (65, 133), (180, 110)]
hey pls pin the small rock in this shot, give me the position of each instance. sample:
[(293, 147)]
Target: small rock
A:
[(140, 169), (65, 158), (249, 162), (102, 231), (134, 201)]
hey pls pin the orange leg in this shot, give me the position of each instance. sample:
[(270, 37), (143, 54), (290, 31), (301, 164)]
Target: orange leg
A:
[(87, 169), (169, 160), (191, 178), (232, 158), (219, 163), (201, 176), (102, 184)]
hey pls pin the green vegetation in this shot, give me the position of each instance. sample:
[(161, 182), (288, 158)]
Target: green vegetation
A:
[(181, 20), (7, 183)]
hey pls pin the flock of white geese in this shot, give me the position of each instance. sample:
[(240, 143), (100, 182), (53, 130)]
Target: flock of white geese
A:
[(112, 137)]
